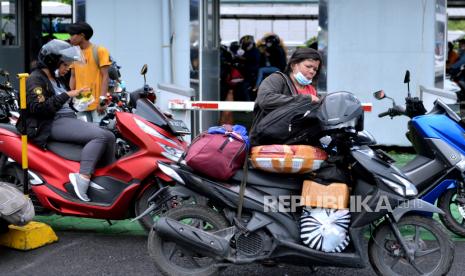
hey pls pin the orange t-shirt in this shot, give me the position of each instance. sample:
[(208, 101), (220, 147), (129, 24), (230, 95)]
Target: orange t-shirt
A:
[(88, 74)]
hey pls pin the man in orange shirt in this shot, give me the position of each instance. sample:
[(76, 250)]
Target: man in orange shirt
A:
[(90, 74)]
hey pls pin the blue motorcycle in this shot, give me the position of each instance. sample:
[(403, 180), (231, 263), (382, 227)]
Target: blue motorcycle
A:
[(438, 169)]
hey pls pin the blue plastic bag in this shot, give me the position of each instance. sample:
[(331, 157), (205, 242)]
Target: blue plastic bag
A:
[(238, 129)]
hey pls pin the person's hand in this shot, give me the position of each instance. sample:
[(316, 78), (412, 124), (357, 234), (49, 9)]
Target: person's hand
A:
[(315, 99), (77, 92)]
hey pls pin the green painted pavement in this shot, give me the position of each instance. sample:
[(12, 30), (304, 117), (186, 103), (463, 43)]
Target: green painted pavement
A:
[(68, 223)]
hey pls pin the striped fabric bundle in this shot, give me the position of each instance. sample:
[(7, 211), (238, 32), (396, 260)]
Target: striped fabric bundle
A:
[(325, 229), (297, 159)]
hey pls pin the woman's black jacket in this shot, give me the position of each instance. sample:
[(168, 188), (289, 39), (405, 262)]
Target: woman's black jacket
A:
[(275, 91)]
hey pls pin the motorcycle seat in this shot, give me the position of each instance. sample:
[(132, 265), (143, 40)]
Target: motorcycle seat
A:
[(262, 179), (271, 180), (422, 171), (66, 150)]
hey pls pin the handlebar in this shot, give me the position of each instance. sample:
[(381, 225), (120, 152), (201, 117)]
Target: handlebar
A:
[(396, 110), (383, 114)]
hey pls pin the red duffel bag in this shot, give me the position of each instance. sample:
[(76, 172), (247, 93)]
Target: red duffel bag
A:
[(217, 156)]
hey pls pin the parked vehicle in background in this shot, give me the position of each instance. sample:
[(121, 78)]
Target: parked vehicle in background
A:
[(9, 109), (438, 169)]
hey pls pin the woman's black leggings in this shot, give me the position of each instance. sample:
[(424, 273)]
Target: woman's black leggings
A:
[(99, 143)]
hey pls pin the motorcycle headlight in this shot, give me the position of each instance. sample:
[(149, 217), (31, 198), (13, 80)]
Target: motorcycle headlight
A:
[(151, 131), (171, 153)]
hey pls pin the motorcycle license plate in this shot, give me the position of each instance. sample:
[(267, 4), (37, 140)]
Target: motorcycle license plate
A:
[(179, 127)]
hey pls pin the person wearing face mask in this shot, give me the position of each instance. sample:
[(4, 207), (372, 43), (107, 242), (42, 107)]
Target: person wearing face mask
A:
[(292, 85)]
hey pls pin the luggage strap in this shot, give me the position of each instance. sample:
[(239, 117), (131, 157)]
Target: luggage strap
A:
[(242, 189)]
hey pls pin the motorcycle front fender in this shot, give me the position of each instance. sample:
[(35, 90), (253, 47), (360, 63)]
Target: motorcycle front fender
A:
[(414, 205)]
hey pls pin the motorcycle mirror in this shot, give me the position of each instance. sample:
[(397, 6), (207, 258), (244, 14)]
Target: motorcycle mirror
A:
[(407, 76), (379, 95), (143, 71), (407, 81)]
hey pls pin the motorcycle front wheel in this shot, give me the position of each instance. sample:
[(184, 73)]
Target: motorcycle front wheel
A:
[(171, 259), (454, 212), (427, 239)]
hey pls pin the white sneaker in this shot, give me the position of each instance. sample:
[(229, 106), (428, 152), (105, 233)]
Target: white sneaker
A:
[(80, 186)]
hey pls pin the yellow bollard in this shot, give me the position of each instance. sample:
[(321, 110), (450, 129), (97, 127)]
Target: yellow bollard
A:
[(22, 105), (34, 234)]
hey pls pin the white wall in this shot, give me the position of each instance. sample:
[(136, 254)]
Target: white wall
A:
[(132, 32), (370, 45), (181, 47)]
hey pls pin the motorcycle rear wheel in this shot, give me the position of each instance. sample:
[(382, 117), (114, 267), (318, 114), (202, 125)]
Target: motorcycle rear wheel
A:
[(433, 249), (167, 255), (143, 204), (455, 223)]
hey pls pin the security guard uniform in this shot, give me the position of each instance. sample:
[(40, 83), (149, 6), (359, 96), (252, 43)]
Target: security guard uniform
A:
[(42, 104)]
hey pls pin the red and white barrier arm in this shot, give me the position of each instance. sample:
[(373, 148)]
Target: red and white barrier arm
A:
[(225, 105)]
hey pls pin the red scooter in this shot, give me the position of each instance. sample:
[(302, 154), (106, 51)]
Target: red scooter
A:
[(117, 191)]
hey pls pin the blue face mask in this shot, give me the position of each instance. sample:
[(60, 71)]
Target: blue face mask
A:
[(301, 79)]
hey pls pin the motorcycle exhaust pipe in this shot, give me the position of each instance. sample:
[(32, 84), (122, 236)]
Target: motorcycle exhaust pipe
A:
[(193, 238)]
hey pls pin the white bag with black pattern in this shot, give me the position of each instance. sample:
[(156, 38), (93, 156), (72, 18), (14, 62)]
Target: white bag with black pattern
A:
[(325, 229)]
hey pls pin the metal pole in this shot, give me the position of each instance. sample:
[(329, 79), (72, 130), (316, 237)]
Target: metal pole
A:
[(22, 99)]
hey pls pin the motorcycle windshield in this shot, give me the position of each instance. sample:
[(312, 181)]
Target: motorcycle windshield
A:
[(151, 113)]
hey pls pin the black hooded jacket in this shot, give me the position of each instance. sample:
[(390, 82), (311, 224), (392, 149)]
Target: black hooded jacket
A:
[(41, 106)]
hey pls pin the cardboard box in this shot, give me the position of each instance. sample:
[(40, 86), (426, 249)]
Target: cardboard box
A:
[(334, 195)]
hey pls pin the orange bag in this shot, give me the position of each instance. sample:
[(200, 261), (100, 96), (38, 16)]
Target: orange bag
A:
[(334, 195), (287, 158)]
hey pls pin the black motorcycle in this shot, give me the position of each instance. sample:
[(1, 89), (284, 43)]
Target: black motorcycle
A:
[(240, 225), (9, 109)]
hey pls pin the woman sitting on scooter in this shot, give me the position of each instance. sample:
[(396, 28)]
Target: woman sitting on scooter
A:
[(51, 115), (294, 84)]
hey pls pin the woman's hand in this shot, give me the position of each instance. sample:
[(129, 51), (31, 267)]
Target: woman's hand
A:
[(315, 99), (75, 93)]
